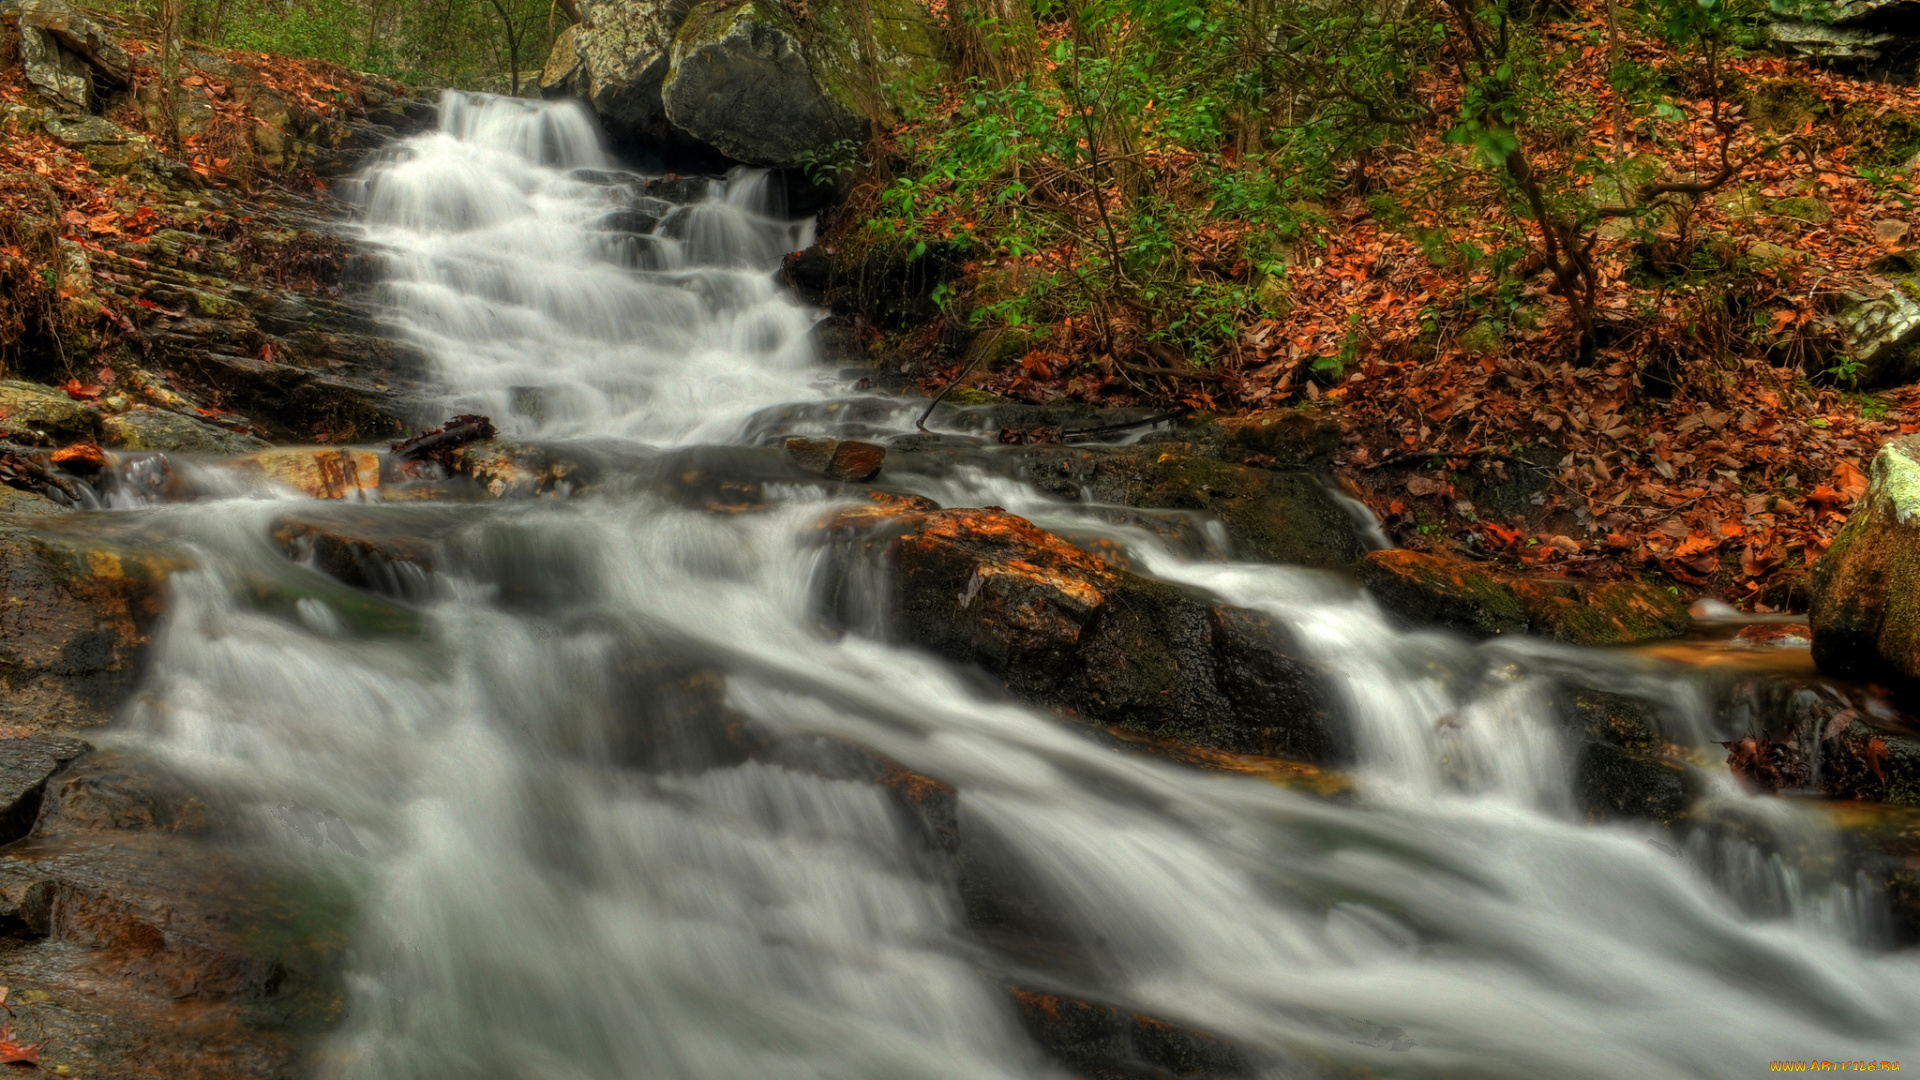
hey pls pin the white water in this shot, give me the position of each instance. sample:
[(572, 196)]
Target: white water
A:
[(530, 904)]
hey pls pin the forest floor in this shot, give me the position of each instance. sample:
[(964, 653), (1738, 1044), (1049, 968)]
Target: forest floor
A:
[(1709, 447)]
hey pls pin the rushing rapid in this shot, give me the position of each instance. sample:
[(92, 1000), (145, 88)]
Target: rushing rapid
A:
[(541, 892)]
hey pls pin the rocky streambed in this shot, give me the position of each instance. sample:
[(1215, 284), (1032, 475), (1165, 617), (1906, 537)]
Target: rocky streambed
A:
[(681, 706)]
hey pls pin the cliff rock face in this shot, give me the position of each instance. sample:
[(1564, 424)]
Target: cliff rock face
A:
[(1850, 33), (753, 80)]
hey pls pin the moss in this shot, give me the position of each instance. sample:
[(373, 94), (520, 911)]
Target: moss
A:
[(1278, 517), (1484, 336), (1784, 105), (1801, 208)]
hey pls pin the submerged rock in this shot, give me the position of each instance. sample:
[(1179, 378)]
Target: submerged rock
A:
[(1421, 589), (1064, 628), (1865, 607), (316, 472)]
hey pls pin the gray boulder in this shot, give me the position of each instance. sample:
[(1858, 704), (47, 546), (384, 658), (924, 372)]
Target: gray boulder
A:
[(617, 61), (1883, 326), (1849, 33), (64, 54), (741, 82), (747, 77)]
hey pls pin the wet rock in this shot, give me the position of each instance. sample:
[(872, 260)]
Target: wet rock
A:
[(146, 428), (846, 460), (1421, 589), (1063, 628), (1102, 1042), (372, 552), (142, 946), (36, 415), (76, 615), (1865, 604), (1861, 761), (26, 764), (1283, 517), (506, 469), (313, 471), (1886, 842), (1623, 768)]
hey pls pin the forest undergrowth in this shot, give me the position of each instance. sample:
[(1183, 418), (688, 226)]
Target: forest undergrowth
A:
[(1344, 213)]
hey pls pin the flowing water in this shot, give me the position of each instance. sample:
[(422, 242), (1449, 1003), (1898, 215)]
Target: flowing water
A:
[(552, 879)]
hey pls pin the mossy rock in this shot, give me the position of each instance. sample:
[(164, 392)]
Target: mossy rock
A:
[(1785, 105), (1865, 609), (145, 428), (1801, 208), (1422, 589), (1880, 139), (36, 415), (994, 348), (1483, 337), (1273, 516)]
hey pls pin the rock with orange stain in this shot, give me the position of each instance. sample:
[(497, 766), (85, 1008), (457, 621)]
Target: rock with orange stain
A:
[(837, 459), (1066, 629), (315, 471), (1423, 589), (76, 615), (1099, 1040)]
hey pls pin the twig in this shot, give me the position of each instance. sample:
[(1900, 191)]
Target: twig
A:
[(1174, 413), (922, 422)]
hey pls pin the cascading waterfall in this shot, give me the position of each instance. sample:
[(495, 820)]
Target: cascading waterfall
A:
[(538, 896)]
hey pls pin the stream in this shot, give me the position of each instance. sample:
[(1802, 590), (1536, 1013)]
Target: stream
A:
[(555, 875)]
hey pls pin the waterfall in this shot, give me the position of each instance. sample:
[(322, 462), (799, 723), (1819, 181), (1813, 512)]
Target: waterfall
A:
[(560, 872)]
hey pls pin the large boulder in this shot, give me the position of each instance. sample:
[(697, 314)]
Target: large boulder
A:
[(1865, 607), (65, 54), (741, 81), (753, 80), (1063, 628), (617, 61), (36, 415), (1849, 33)]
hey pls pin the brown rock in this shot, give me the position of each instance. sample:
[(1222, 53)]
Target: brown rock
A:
[(846, 460), (75, 619), (1066, 629), (1865, 609)]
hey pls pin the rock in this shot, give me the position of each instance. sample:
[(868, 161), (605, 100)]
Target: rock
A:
[(82, 35), (740, 81), (1865, 604), (367, 552), (26, 764), (618, 62), (75, 619), (845, 460), (1284, 517), (508, 469), (145, 428), (315, 472), (1063, 628), (1421, 589), (1883, 327), (80, 132), (1623, 769), (1891, 233), (37, 415), (1801, 208), (1849, 33), (1097, 1040), (1863, 762), (1483, 336), (63, 52)]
